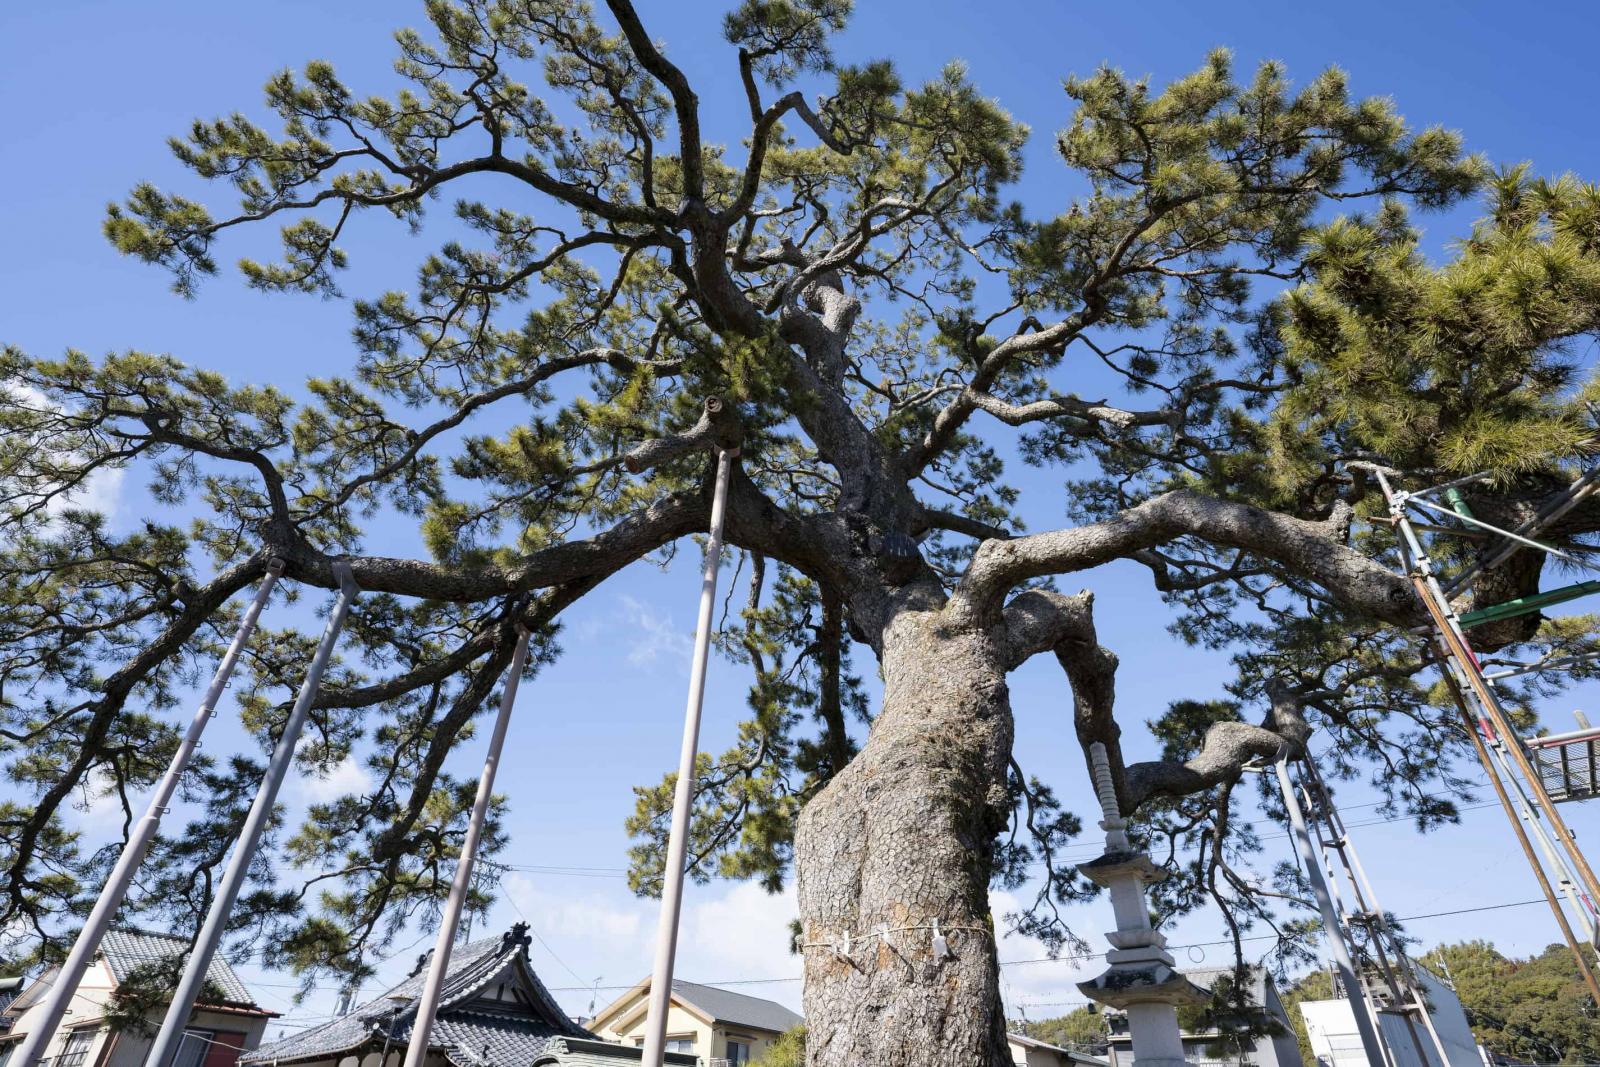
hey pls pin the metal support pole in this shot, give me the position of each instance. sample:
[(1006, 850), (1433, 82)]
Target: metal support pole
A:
[(1377, 1056), (1566, 877), (1456, 656), (1462, 654), (1522, 838), (255, 824), (65, 984), (1529, 542), (1568, 500), (417, 1050), (655, 1030)]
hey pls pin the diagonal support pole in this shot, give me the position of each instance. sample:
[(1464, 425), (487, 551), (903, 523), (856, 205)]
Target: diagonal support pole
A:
[(65, 984), (1457, 658), (428, 1005), (655, 1032), (255, 824), (1574, 495)]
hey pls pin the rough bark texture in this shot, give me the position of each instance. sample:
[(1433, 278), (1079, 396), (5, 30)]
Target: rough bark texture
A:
[(904, 836)]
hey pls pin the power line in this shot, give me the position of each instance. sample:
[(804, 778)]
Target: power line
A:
[(1084, 957), (535, 932)]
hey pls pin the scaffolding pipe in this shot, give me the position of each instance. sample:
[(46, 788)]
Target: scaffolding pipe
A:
[(1571, 498), (1467, 517), (422, 1026), (1457, 653), (1491, 707), (655, 1032), (1444, 486), (1366, 1024), (1561, 663), (1590, 733), (65, 983), (176, 1021), (1522, 839), (1526, 605), (1566, 878)]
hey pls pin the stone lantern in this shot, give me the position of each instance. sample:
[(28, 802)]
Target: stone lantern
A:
[(1141, 980)]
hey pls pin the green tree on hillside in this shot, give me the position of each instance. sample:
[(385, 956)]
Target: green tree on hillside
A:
[(1535, 1009), (1081, 1029), (1317, 985)]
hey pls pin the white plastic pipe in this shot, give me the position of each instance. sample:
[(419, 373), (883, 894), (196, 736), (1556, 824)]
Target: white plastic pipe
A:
[(94, 929), (255, 824), (655, 1027), (1370, 1042), (417, 1050)]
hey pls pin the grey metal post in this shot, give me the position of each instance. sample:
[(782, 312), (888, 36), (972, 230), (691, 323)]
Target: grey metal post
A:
[(94, 929), (655, 1031), (255, 824), (417, 1050), (1370, 1041)]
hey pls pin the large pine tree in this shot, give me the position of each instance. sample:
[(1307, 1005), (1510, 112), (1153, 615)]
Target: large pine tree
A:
[(873, 315)]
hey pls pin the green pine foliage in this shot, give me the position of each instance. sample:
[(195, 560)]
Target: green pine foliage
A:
[(1243, 264)]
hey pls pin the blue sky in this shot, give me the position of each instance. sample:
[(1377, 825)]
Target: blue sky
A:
[(93, 89)]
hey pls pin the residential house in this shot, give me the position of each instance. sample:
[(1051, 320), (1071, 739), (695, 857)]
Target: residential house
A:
[(1230, 1042), (1335, 1041), (724, 1029), (1031, 1052), (10, 990), (225, 1023), (493, 1012)]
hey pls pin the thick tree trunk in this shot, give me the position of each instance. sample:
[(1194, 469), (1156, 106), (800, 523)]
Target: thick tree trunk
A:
[(902, 837)]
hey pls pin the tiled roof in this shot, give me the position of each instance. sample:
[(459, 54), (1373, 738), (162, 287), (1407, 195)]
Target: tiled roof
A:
[(512, 1038), (737, 1008), (1256, 978), (482, 1039), (126, 950), (1072, 1057)]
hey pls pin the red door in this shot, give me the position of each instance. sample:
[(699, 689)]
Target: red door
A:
[(224, 1049)]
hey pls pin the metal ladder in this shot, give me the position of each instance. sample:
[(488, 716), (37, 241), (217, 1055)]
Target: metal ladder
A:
[(1388, 977)]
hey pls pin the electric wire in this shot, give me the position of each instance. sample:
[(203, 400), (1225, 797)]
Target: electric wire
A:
[(1084, 957)]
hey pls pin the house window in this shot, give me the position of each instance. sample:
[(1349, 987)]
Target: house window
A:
[(6, 1050), (192, 1048), (76, 1049), (738, 1053), (680, 1044)]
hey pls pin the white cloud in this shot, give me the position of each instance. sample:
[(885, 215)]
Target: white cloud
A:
[(742, 934), (656, 639), (101, 491), (739, 933), (729, 933), (587, 917), (346, 776), (1042, 990), (96, 807)]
